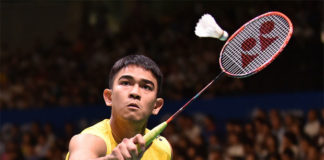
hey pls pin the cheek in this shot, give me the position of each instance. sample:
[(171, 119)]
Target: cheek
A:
[(151, 103), (118, 94)]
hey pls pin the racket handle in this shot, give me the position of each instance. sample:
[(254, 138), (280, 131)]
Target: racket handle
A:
[(152, 134)]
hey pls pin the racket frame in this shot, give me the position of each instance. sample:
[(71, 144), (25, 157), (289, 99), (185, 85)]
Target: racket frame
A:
[(272, 58)]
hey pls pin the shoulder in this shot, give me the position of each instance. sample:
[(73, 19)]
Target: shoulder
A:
[(102, 130), (162, 145), (160, 141), (102, 125), (99, 129), (86, 145), (86, 139)]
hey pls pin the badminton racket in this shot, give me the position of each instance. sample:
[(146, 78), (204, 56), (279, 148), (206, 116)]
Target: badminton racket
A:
[(249, 50)]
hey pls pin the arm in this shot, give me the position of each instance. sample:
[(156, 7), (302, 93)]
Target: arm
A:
[(86, 146)]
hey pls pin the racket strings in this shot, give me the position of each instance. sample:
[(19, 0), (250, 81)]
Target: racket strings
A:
[(255, 45)]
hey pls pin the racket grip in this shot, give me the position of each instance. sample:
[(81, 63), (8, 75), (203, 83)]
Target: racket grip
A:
[(152, 134)]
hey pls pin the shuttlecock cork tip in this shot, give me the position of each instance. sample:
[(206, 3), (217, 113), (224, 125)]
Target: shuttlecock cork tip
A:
[(224, 36)]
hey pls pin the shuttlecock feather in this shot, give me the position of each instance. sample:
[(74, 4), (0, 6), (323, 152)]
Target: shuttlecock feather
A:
[(207, 27)]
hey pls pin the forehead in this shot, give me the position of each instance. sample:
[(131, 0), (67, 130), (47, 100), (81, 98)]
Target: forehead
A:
[(136, 72)]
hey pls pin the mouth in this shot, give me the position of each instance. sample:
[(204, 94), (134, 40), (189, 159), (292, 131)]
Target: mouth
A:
[(133, 105)]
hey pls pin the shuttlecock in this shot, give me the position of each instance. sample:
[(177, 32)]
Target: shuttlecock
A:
[(207, 27)]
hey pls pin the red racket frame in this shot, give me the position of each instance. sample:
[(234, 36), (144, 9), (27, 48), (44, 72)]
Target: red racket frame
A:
[(273, 57)]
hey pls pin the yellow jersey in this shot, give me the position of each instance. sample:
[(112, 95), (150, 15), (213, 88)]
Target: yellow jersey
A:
[(159, 150)]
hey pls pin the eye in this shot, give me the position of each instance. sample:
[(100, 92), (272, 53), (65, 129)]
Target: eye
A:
[(147, 87), (124, 83)]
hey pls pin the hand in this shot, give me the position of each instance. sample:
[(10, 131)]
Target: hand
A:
[(127, 149)]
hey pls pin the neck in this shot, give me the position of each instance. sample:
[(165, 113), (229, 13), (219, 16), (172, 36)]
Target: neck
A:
[(126, 129)]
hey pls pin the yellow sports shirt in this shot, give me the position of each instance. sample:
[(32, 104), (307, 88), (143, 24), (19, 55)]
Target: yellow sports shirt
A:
[(159, 150)]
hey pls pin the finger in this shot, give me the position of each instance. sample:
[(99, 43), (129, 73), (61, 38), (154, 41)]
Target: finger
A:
[(115, 155), (123, 147), (139, 140), (111, 157), (132, 148)]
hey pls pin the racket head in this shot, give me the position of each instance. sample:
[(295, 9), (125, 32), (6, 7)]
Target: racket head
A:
[(255, 45)]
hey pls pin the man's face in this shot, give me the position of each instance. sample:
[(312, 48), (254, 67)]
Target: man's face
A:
[(133, 94)]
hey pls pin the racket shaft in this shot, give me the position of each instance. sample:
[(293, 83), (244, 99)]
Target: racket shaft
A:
[(193, 98), (152, 134)]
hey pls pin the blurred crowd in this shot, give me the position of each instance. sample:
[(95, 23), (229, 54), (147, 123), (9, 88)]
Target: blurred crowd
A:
[(266, 135), (272, 135), (73, 72)]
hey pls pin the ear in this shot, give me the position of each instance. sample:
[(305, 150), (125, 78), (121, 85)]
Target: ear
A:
[(158, 105), (107, 96)]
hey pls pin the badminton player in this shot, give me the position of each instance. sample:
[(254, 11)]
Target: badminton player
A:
[(133, 95)]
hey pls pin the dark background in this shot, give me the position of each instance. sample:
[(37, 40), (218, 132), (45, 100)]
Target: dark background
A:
[(56, 55)]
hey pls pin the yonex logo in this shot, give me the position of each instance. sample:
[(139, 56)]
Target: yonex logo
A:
[(250, 43)]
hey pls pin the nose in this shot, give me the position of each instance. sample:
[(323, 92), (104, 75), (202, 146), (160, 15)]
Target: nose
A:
[(134, 94)]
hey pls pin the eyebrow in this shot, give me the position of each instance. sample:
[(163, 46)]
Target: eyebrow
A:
[(131, 77)]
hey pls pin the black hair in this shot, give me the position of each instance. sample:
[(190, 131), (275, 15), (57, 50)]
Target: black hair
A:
[(140, 61)]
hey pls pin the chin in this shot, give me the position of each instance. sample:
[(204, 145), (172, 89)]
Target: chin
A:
[(135, 119), (132, 118)]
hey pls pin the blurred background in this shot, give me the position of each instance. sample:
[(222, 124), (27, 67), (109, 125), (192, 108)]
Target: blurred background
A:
[(55, 58)]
